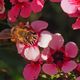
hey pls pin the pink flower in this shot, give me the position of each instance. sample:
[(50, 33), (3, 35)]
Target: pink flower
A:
[(78, 78), (78, 67), (24, 8), (70, 6), (76, 14), (2, 9), (31, 71), (58, 57), (76, 25), (2, 16), (37, 37)]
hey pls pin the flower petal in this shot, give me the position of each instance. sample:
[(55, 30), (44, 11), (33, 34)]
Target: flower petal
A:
[(32, 53), (78, 78), (69, 66), (78, 67), (57, 41), (2, 7), (2, 11), (13, 13), (13, 1), (22, 1), (45, 53), (31, 71), (71, 49), (3, 16), (76, 25), (76, 14), (37, 5), (20, 47), (68, 7), (50, 69), (39, 25), (45, 38), (25, 10)]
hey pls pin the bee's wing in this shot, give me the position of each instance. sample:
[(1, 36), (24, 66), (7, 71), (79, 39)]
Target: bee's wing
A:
[(5, 34)]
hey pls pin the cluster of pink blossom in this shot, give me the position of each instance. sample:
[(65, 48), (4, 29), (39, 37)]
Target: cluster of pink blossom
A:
[(22, 8), (47, 54), (72, 8), (43, 51)]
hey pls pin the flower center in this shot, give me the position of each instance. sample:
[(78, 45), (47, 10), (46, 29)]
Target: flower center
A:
[(58, 57), (24, 35)]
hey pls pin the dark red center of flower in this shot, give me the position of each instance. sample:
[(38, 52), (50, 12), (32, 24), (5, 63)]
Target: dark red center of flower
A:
[(58, 57)]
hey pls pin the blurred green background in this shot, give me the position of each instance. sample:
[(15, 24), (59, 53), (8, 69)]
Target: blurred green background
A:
[(11, 63)]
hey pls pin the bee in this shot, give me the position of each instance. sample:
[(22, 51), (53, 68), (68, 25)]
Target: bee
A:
[(6, 33), (20, 34), (24, 35)]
